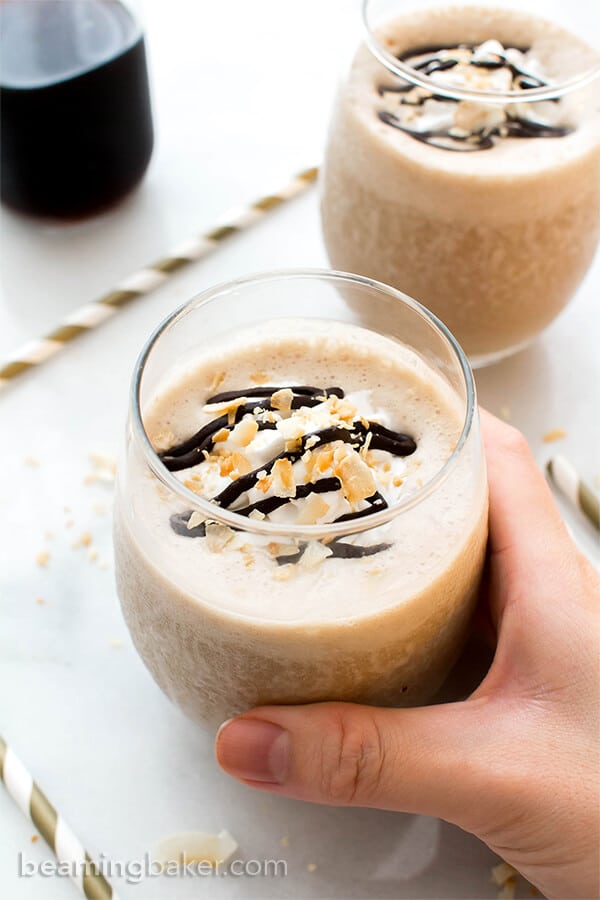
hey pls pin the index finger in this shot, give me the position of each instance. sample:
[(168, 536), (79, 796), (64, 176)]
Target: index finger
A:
[(528, 540)]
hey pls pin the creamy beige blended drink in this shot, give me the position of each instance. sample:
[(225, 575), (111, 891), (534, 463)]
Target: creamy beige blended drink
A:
[(318, 524), (486, 211)]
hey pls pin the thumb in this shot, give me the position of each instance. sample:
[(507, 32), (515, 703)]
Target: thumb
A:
[(425, 760)]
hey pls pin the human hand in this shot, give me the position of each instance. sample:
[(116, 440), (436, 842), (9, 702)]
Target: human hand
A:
[(516, 764)]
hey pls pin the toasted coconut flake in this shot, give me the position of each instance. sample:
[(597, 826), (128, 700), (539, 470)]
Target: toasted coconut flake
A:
[(195, 847), (276, 549), (241, 464), (244, 432), (229, 407), (264, 484), (218, 536), (365, 447), (292, 446), (192, 486), (314, 554), (557, 434), (283, 573), (42, 558), (163, 439), (194, 520), (104, 461), (397, 481), (221, 435), (502, 873), (226, 466), (312, 509), (259, 378), (343, 409), (218, 379), (284, 483), (311, 442), (309, 459), (282, 400), (324, 460), (357, 479), (257, 515)]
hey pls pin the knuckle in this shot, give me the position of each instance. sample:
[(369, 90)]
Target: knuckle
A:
[(352, 761), (513, 442)]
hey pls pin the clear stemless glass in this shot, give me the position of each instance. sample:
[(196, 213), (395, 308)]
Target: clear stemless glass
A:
[(221, 629), (463, 162)]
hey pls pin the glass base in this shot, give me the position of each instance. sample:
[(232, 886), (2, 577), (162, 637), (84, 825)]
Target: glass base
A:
[(489, 359)]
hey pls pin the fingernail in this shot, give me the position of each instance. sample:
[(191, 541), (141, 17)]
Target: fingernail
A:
[(253, 749)]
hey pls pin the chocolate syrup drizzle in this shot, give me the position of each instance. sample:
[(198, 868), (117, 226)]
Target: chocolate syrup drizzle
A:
[(515, 126), (194, 450)]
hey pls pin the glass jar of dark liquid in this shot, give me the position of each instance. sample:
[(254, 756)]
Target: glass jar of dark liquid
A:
[(76, 126)]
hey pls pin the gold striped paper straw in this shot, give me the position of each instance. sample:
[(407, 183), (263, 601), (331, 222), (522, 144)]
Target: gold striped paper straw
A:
[(565, 477), (57, 834), (91, 315)]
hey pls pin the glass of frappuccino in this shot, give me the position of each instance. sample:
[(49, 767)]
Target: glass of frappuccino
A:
[(301, 509), (463, 163)]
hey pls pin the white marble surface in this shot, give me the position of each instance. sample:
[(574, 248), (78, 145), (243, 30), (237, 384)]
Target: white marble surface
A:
[(241, 93)]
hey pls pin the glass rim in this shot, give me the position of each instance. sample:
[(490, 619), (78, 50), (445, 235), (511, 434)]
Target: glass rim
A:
[(208, 510), (397, 67)]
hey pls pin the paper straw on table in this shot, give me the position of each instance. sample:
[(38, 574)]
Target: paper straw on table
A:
[(565, 477), (57, 834), (87, 317)]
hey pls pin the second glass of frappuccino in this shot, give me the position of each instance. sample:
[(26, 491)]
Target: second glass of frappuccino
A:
[(463, 163)]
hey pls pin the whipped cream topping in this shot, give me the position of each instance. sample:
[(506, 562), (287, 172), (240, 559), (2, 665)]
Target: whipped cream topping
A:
[(294, 455), (466, 125)]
